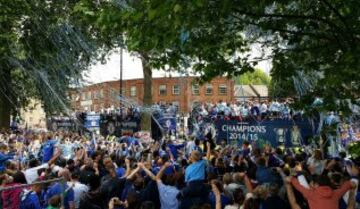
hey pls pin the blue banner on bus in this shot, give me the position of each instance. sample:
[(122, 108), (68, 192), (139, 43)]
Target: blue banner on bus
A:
[(168, 124), (115, 125), (92, 121), (275, 132)]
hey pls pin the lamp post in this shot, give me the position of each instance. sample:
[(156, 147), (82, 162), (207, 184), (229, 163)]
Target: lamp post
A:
[(121, 87), (121, 71)]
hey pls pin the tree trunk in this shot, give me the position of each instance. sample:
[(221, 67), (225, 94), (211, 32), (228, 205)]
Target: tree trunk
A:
[(147, 99), (5, 103)]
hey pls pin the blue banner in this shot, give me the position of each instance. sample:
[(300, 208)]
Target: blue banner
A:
[(92, 121), (119, 127), (168, 124), (61, 124), (275, 132)]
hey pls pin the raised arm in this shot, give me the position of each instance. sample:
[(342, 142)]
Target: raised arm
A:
[(170, 154), (291, 196), (161, 172), (304, 191), (247, 182), (54, 158), (128, 168), (208, 152), (133, 173), (217, 195), (147, 171), (351, 200), (344, 188)]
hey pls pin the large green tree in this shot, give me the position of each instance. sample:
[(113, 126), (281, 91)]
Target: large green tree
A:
[(129, 25), (314, 45), (42, 53), (257, 77)]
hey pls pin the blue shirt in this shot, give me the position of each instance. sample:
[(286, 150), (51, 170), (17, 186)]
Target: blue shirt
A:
[(48, 150), (120, 172), (195, 171), (167, 196), (224, 200), (29, 200), (57, 189), (174, 149), (3, 159), (265, 175)]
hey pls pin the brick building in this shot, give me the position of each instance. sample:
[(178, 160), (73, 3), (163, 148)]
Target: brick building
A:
[(181, 91)]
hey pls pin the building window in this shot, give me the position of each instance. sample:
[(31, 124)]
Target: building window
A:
[(96, 94), (114, 94), (162, 90), (123, 92), (133, 91), (88, 95), (101, 93), (195, 89), (209, 89), (83, 96), (176, 90), (222, 89), (96, 108)]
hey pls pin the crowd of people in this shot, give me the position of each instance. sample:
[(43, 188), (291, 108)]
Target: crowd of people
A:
[(242, 110), (134, 111), (129, 172)]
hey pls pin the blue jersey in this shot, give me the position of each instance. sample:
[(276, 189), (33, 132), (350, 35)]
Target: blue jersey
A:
[(57, 189), (48, 150), (29, 200)]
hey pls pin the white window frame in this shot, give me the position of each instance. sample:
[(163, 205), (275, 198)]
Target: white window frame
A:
[(133, 91), (83, 96), (207, 87), (88, 95), (160, 89), (195, 89), (176, 91), (223, 86), (101, 93)]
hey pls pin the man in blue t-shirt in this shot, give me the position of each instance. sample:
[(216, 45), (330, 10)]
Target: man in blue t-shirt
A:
[(196, 190), (4, 156), (48, 149), (29, 199), (58, 189), (195, 171)]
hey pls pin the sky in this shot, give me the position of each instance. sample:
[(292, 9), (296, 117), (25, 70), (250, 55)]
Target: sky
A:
[(132, 67)]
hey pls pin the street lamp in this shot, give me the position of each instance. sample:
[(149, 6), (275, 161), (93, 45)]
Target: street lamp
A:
[(121, 71), (121, 87)]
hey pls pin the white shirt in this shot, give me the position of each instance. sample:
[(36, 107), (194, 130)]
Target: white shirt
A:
[(263, 108), (79, 190), (31, 174), (190, 147), (234, 207)]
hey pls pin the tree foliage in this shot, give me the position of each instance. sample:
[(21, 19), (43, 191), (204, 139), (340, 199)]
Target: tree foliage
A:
[(315, 44), (258, 77), (42, 53)]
